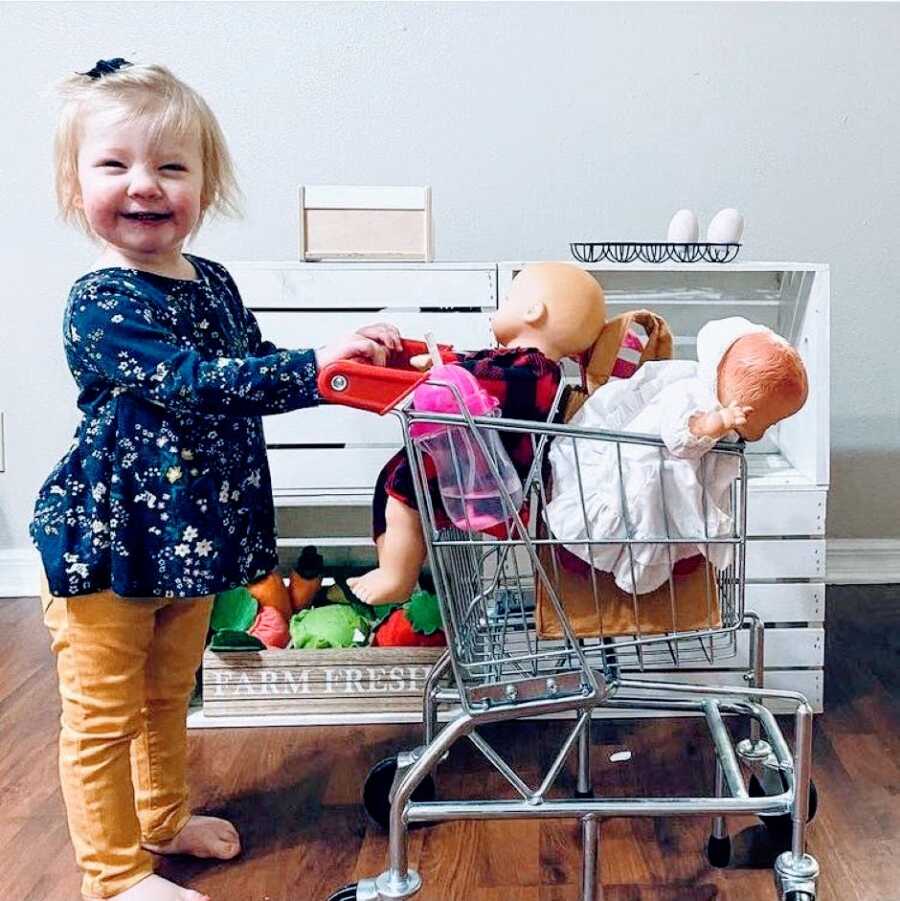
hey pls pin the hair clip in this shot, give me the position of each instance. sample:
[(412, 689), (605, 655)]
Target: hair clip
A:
[(106, 66)]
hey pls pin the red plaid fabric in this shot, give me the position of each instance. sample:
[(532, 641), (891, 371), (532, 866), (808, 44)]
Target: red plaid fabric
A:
[(523, 380)]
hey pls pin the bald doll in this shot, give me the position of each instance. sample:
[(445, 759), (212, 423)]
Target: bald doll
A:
[(553, 310)]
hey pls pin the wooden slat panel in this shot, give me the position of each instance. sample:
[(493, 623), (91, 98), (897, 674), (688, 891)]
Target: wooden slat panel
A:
[(791, 558), (789, 647), (375, 287), (787, 602), (389, 679), (786, 512), (322, 658), (804, 437), (686, 315), (466, 331), (365, 197), (372, 685), (809, 682), (343, 711), (333, 425), (327, 468), (277, 705)]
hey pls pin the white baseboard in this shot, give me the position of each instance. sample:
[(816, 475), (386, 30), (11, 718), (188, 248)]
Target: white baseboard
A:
[(861, 561), (20, 575), (849, 561)]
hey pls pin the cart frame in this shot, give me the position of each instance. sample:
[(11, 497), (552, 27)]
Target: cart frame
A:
[(484, 682)]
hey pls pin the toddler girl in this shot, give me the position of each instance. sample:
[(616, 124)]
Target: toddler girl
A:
[(164, 497)]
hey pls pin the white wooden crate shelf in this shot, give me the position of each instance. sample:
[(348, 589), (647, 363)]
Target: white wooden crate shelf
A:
[(326, 460)]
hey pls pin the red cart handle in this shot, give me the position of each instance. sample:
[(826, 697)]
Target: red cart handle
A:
[(376, 388)]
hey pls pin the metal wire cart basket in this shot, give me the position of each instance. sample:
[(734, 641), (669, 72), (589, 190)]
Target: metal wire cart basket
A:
[(530, 634)]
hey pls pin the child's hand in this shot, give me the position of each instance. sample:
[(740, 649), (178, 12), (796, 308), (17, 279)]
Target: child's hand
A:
[(371, 344), (353, 347), (384, 334)]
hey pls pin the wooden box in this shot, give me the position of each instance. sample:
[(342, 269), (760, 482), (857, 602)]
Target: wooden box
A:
[(365, 223), (350, 682)]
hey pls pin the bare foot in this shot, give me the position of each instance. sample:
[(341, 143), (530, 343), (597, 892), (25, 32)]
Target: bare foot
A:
[(203, 837), (381, 586), (155, 888)]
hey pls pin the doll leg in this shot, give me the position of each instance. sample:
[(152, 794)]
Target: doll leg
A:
[(158, 754), (401, 553)]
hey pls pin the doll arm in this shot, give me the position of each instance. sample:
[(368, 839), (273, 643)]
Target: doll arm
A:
[(687, 426), (116, 336), (718, 423)]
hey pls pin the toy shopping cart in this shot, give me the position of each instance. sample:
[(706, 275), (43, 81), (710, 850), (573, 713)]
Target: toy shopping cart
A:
[(530, 632)]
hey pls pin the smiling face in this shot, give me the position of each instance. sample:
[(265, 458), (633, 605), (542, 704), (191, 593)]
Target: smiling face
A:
[(141, 196)]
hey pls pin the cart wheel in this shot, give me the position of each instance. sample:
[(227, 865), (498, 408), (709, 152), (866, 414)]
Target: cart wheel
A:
[(718, 851), (781, 826), (347, 893), (799, 896), (377, 790)]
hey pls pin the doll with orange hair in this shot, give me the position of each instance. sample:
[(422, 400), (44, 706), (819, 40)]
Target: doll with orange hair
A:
[(746, 379)]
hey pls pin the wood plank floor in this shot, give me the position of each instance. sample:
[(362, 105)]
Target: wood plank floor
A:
[(294, 794)]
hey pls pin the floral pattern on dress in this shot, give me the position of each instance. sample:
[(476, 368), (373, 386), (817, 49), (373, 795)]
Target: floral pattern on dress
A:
[(165, 490)]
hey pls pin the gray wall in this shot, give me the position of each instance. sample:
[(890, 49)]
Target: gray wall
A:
[(534, 123)]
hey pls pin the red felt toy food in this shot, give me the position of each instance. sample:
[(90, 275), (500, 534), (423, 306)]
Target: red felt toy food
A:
[(398, 632), (271, 628), (417, 624)]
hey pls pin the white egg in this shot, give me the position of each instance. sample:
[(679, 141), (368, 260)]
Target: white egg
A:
[(727, 227), (684, 228)]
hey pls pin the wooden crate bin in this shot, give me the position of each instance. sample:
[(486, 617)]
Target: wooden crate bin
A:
[(351, 682), (325, 461)]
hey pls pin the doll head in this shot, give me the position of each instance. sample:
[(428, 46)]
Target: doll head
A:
[(556, 307), (762, 371)]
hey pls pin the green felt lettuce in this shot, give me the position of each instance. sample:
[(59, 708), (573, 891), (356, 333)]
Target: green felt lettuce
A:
[(234, 609), (424, 613), (333, 626), (235, 640)]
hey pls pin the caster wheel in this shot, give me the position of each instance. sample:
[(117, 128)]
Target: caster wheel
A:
[(588, 794), (347, 893), (780, 827), (799, 896), (376, 792), (718, 851)]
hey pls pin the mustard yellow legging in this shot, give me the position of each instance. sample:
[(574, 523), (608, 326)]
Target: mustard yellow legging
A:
[(126, 670)]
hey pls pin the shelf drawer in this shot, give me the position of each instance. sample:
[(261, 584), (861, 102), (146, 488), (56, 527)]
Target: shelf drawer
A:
[(318, 286)]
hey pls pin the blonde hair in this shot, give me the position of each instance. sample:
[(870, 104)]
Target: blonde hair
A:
[(142, 91)]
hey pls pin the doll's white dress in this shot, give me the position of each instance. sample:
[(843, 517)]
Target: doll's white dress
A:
[(648, 492)]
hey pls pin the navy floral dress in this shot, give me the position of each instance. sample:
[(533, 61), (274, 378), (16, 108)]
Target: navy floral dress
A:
[(165, 491)]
